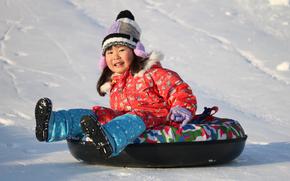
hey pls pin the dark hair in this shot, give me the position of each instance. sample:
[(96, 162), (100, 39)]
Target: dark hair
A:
[(138, 64)]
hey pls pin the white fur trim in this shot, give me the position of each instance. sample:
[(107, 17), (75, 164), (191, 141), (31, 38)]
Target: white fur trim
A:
[(106, 87), (156, 55), (154, 58)]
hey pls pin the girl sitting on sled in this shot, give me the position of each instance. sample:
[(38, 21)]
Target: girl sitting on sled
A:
[(142, 93)]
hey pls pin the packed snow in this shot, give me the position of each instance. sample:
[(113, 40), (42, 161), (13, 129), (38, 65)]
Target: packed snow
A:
[(234, 54)]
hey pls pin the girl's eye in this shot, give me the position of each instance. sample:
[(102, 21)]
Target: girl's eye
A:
[(109, 52), (121, 50)]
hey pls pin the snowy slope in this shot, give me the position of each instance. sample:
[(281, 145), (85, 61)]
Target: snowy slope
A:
[(234, 54)]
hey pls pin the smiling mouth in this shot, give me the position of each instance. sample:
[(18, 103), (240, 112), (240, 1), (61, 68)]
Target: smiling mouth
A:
[(118, 64)]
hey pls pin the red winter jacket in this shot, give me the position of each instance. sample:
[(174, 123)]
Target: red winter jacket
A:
[(149, 94)]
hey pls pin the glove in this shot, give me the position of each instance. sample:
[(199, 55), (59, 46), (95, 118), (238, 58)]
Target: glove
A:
[(179, 114)]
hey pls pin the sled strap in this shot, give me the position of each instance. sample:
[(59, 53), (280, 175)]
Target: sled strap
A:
[(208, 112), (212, 110)]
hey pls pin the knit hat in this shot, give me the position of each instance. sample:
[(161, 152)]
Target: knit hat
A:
[(124, 31)]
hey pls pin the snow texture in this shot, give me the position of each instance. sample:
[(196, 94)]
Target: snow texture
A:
[(234, 54)]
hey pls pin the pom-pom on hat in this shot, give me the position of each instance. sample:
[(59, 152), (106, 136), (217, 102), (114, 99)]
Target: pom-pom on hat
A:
[(124, 31)]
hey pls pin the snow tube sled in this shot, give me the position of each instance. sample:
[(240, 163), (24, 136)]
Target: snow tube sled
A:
[(208, 140)]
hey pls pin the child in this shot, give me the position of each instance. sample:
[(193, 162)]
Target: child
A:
[(143, 95)]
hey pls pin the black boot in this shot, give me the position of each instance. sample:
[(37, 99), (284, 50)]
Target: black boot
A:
[(93, 129), (43, 110)]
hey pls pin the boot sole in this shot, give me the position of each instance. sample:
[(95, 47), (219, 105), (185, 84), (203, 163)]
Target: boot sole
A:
[(43, 110), (93, 129)]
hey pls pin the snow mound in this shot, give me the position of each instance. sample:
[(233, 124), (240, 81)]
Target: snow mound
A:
[(284, 66)]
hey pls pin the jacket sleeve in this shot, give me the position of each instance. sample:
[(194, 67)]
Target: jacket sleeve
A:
[(173, 89)]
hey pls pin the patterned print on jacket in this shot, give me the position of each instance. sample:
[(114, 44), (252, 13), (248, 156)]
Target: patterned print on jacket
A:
[(149, 94)]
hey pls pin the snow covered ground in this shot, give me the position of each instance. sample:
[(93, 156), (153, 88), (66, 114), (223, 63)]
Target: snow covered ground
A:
[(234, 54)]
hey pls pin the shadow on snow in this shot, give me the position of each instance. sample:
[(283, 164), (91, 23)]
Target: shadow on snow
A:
[(261, 154)]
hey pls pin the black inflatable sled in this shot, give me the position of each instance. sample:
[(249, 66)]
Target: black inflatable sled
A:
[(208, 140), (163, 154)]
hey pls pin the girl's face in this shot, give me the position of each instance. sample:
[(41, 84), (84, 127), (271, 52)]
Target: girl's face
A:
[(119, 58)]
